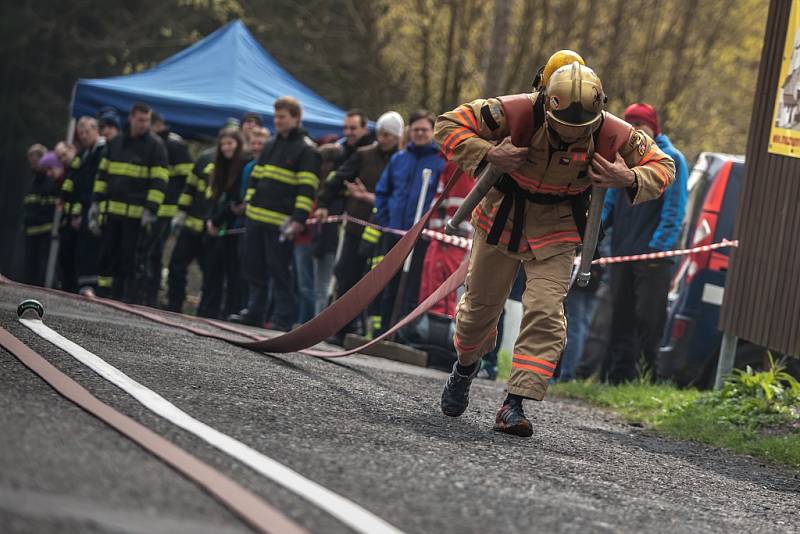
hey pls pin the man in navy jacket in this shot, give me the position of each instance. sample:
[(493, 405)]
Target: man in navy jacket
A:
[(639, 289), (396, 197)]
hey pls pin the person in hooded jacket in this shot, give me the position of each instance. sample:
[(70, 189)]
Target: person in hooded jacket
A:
[(639, 289), (396, 197)]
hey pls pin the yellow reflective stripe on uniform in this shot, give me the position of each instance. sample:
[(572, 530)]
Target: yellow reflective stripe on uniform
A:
[(208, 168), (265, 216), (201, 185), (194, 223), (307, 178), (330, 176), (75, 163), (154, 195), (375, 261), (103, 165), (181, 169), (130, 170), (191, 179), (167, 210), (39, 199), (371, 235), (39, 229), (249, 195), (271, 172), (76, 209), (105, 281), (68, 185), (124, 210), (185, 200), (100, 186), (159, 172), (303, 203)]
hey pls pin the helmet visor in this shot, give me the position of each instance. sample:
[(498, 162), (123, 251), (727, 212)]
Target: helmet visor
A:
[(571, 132)]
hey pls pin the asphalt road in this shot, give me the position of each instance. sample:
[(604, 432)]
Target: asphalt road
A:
[(365, 428)]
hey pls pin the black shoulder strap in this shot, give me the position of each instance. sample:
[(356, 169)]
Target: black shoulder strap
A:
[(538, 112)]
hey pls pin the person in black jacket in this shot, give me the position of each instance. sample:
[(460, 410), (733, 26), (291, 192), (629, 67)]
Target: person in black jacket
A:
[(39, 208), (221, 269), (79, 247), (326, 239), (279, 198), (189, 226), (149, 265), (128, 191)]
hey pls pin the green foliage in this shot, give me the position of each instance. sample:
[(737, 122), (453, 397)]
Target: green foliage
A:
[(755, 413), (755, 399), (503, 365)]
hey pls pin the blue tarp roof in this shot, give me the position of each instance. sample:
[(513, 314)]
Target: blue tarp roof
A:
[(224, 75)]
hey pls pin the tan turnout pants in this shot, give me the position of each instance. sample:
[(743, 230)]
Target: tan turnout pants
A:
[(544, 328)]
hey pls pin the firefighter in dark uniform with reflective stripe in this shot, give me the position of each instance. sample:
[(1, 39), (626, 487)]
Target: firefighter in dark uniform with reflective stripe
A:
[(189, 224), (79, 247), (128, 190), (38, 210), (279, 198), (180, 165), (544, 183)]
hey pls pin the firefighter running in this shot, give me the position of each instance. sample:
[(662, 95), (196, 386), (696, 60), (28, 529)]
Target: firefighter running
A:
[(546, 184)]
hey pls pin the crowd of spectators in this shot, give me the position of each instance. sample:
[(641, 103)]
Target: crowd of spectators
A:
[(133, 208)]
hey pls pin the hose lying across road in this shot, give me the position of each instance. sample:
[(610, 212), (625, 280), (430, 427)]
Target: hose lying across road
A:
[(254, 510)]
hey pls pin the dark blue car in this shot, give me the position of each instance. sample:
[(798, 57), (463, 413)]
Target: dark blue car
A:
[(691, 343)]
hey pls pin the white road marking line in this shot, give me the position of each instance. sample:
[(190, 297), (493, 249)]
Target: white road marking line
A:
[(339, 507)]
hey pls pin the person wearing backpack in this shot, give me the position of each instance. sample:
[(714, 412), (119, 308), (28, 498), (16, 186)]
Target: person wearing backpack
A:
[(548, 145)]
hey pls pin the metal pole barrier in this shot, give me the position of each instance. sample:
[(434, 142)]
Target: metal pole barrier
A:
[(727, 357), (52, 258), (399, 298), (591, 234)]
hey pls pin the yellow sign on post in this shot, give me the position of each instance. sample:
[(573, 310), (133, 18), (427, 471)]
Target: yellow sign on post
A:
[(784, 135)]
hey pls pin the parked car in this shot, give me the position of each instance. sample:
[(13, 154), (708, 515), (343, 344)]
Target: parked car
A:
[(691, 343)]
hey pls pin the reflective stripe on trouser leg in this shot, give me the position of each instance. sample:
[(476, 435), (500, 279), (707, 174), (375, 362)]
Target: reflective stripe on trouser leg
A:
[(491, 275), (544, 327)]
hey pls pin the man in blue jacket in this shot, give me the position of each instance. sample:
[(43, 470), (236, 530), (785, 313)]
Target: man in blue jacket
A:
[(639, 289), (396, 197)]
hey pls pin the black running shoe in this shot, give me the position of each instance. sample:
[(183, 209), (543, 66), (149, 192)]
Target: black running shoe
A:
[(455, 397), (246, 317), (511, 419)]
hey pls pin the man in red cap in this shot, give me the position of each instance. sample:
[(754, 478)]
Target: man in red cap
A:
[(639, 289)]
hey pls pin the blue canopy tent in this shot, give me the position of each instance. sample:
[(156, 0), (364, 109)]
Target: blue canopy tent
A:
[(224, 75)]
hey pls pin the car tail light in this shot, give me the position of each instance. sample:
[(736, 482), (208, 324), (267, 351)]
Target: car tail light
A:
[(678, 328)]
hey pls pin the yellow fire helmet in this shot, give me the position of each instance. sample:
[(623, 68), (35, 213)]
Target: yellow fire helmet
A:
[(574, 101), (558, 60)]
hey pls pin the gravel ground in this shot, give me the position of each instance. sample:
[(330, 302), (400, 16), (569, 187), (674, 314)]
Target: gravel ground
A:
[(365, 428)]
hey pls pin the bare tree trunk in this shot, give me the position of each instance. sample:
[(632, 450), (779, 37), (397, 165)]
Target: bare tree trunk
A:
[(498, 48), (464, 22), (451, 37), (524, 33), (425, 57)]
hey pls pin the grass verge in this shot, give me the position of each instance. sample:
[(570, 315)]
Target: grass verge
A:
[(687, 414)]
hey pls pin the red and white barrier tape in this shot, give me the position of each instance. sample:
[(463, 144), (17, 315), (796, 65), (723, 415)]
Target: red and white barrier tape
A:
[(666, 254)]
